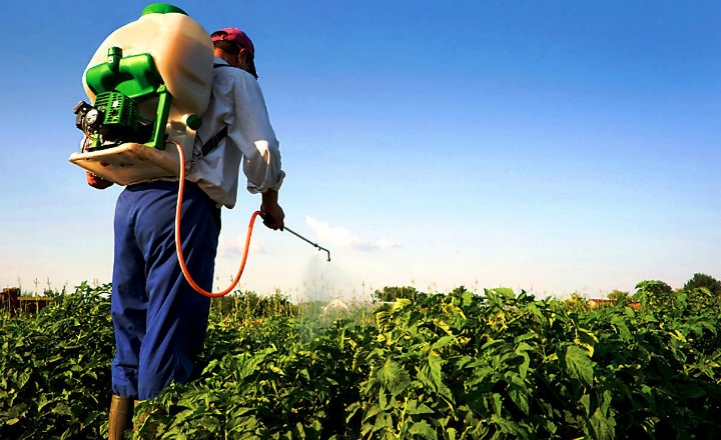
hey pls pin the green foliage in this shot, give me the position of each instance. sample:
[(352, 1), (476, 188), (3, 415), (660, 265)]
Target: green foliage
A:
[(653, 292), (700, 280), (249, 304), (55, 368), (497, 365), (390, 294), (662, 361), (618, 296), (263, 389), (462, 366), (576, 303)]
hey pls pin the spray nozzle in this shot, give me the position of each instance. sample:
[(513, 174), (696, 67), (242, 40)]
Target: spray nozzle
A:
[(320, 248)]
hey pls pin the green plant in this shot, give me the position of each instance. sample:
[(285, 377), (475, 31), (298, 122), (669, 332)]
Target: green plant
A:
[(55, 368), (496, 365)]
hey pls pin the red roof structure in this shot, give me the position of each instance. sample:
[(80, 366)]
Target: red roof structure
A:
[(12, 302)]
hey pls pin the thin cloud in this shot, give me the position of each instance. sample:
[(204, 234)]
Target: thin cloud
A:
[(338, 236)]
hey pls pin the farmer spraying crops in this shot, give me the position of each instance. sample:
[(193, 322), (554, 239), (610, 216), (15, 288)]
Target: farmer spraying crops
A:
[(159, 319)]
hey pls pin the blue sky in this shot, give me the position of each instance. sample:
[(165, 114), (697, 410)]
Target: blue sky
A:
[(554, 147)]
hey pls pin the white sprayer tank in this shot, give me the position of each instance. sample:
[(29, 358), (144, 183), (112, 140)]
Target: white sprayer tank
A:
[(182, 51)]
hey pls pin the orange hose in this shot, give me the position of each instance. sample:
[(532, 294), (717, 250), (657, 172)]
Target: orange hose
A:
[(178, 241)]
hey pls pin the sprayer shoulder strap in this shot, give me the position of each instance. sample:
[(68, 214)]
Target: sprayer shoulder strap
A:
[(215, 140)]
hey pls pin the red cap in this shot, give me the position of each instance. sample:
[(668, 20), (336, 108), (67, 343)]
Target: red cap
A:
[(236, 36)]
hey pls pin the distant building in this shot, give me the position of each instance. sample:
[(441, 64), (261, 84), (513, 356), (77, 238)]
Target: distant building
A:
[(12, 302)]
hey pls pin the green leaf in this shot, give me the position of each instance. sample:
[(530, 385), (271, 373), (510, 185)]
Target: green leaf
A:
[(383, 403), (62, 409), (519, 396), (445, 327), (523, 367), (621, 327), (393, 377), (579, 364), (383, 421), (505, 292), (496, 403), (424, 430), (603, 426), (586, 402), (442, 342), (400, 304), (587, 339), (432, 375), (414, 407)]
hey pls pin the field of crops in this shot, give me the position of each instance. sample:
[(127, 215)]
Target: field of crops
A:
[(462, 365)]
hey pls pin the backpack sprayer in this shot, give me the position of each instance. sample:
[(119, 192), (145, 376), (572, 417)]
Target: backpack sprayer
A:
[(148, 83), (149, 80)]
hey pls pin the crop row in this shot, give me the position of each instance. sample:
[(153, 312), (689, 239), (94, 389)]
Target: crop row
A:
[(450, 366)]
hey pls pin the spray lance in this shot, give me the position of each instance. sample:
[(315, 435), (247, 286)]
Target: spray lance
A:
[(320, 248)]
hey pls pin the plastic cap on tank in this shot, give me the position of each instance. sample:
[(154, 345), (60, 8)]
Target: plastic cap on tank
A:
[(193, 122), (161, 8)]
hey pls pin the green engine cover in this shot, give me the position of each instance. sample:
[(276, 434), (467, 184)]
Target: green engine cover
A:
[(119, 109), (137, 78)]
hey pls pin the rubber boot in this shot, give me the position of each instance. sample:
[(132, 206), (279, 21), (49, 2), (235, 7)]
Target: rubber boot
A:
[(121, 417)]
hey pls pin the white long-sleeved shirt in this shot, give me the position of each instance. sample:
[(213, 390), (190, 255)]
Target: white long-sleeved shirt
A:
[(236, 102)]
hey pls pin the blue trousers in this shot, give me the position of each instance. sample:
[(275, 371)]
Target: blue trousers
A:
[(159, 319)]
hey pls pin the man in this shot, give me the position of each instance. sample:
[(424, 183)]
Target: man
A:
[(159, 320)]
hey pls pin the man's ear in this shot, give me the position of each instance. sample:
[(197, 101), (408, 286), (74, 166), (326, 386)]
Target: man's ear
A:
[(242, 54)]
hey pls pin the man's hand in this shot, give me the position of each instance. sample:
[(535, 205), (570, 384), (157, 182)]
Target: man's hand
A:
[(270, 210), (97, 181)]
